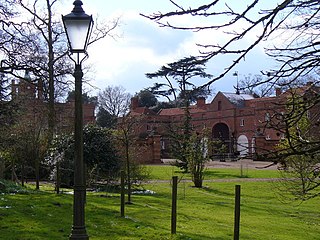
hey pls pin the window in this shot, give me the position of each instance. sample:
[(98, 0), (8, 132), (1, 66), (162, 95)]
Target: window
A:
[(267, 117), (242, 122), (219, 105)]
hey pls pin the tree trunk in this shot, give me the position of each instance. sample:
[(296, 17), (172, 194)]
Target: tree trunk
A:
[(58, 177), (198, 175), (197, 182), (13, 174), (197, 179), (51, 107), (22, 174), (37, 172), (128, 174), (2, 166)]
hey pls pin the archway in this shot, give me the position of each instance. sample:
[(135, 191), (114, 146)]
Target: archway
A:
[(243, 145), (222, 143), (221, 131)]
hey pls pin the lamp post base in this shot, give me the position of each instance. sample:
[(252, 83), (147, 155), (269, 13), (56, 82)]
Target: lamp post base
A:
[(79, 233)]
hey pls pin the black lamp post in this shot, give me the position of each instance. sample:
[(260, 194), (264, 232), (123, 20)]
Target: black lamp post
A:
[(78, 26)]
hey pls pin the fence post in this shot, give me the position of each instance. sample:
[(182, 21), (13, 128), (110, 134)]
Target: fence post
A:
[(237, 213), (122, 194), (174, 205)]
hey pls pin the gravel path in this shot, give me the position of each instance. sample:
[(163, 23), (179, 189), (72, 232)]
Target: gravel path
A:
[(245, 163)]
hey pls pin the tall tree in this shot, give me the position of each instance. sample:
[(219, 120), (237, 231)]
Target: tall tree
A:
[(146, 98), (85, 98), (105, 119), (179, 77), (115, 101), (179, 137), (28, 143), (8, 114)]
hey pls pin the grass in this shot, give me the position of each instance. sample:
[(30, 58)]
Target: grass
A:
[(166, 172), (203, 214)]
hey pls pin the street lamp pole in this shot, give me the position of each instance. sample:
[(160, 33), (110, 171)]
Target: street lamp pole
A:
[(78, 27)]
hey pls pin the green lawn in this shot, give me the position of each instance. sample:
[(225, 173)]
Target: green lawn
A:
[(203, 214), (166, 172)]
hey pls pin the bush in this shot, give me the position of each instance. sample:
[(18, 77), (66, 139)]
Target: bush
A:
[(99, 153), (11, 187)]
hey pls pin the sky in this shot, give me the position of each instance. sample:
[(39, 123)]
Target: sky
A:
[(140, 46)]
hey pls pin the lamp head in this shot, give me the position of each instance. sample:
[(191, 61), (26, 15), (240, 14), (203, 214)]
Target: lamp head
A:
[(78, 27)]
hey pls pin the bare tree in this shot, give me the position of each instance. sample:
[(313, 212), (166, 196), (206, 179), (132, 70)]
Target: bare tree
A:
[(297, 55), (130, 150), (37, 43), (251, 84), (115, 100)]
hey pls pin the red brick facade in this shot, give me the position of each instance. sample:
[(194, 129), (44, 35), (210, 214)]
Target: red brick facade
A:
[(30, 98), (240, 120)]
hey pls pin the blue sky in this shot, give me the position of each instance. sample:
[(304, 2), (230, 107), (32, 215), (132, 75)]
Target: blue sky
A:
[(142, 47)]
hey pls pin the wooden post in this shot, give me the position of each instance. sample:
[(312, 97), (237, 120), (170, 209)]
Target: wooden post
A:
[(237, 213), (122, 194), (174, 205)]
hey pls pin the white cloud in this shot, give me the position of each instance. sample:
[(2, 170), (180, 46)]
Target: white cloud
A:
[(144, 47)]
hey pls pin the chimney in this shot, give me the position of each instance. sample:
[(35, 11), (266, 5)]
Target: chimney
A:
[(278, 91), (201, 102), (134, 103)]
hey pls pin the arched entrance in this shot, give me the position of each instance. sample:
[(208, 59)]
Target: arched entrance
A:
[(243, 145), (222, 142), (221, 131)]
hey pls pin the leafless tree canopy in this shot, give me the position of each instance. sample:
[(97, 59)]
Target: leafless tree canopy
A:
[(115, 100), (297, 55), (32, 38)]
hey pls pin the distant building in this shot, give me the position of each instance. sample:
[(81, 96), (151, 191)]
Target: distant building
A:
[(240, 121), (29, 96)]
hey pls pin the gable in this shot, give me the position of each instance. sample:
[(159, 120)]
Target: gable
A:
[(224, 101), (220, 102)]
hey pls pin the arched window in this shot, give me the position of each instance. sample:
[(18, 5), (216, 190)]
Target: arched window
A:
[(243, 145)]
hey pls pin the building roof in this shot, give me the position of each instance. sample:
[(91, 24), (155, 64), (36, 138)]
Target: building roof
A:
[(237, 99), (142, 110), (178, 111)]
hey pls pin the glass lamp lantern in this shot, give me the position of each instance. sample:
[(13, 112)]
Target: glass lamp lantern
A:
[(78, 26)]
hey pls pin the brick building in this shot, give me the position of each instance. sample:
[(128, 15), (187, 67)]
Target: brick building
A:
[(29, 97), (240, 121)]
